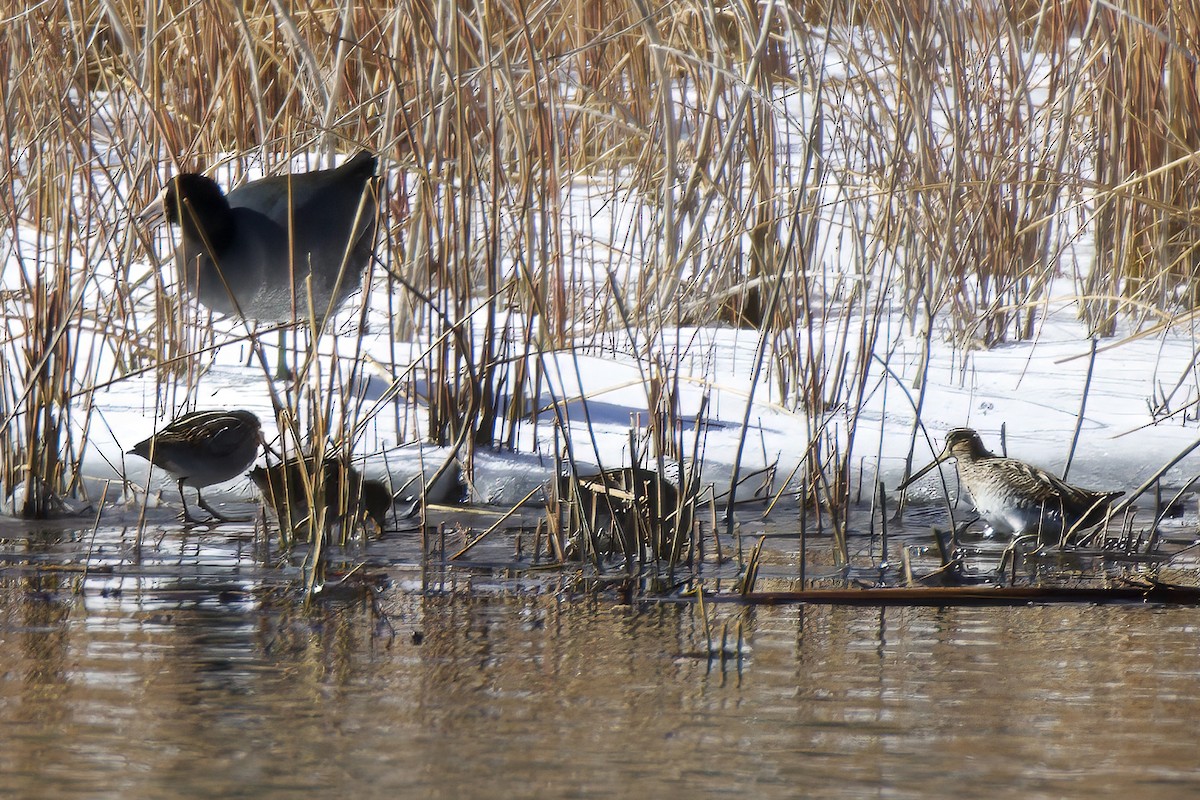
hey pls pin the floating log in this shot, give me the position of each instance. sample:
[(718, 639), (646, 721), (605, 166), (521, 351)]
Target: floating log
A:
[(971, 596)]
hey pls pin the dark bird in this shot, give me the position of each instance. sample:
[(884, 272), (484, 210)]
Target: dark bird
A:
[(1018, 498), (203, 448), (283, 248), (291, 489)]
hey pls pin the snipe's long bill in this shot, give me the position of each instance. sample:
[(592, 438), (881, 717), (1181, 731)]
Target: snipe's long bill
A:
[(1019, 498)]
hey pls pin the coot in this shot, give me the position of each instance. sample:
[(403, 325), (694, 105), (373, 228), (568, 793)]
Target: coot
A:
[(251, 253)]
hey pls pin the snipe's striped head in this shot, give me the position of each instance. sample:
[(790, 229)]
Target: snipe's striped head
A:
[(963, 443)]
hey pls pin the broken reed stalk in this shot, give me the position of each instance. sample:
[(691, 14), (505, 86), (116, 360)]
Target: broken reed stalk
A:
[(881, 494), (803, 532), (698, 591), (495, 525), (750, 574), (87, 564), (1087, 385)]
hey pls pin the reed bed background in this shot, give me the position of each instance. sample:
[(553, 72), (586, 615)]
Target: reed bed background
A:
[(588, 177)]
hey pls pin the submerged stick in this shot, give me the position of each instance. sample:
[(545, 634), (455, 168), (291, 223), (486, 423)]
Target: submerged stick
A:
[(496, 524), (971, 596)]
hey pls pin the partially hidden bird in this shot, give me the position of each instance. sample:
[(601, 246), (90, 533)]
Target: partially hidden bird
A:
[(294, 487), (279, 249), (203, 448), (1019, 498)]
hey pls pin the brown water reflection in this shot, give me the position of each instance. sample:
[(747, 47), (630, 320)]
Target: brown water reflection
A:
[(156, 692)]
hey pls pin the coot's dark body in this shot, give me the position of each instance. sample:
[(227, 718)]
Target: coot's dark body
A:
[(251, 253)]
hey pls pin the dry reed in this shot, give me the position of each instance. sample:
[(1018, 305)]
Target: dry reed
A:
[(796, 170)]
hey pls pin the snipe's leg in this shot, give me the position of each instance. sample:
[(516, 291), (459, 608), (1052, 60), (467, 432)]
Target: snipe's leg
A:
[(187, 513)]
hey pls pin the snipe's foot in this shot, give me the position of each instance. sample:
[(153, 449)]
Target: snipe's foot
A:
[(217, 515)]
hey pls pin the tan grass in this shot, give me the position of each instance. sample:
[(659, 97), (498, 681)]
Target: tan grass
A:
[(954, 158)]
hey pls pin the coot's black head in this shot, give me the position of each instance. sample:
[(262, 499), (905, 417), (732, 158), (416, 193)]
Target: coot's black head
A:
[(197, 205), (189, 196)]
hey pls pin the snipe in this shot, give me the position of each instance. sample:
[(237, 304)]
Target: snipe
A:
[(203, 448), (290, 487), (1019, 498)]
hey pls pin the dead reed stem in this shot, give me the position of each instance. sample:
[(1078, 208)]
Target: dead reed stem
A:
[(571, 179)]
